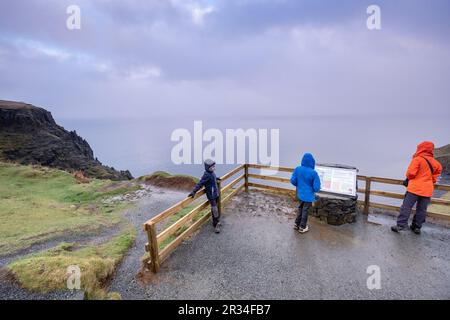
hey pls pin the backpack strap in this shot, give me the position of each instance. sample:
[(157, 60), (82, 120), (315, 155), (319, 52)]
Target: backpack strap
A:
[(429, 165)]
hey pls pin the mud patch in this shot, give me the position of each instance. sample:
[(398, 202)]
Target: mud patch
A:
[(147, 277), (117, 185), (171, 182), (7, 275), (92, 208)]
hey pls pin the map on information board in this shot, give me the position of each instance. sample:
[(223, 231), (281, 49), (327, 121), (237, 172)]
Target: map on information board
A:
[(337, 180)]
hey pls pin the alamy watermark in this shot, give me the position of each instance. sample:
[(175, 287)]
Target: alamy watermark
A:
[(73, 22), (74, 277), (229, 147), (374, 20), (374, 280)]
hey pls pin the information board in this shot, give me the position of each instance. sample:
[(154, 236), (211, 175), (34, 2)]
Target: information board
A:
[(337, 180)]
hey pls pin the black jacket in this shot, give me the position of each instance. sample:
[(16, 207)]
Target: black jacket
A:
[(209, 181)]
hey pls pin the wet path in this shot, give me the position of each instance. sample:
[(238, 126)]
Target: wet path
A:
[(125, 280), (259, 256), (157, 201)]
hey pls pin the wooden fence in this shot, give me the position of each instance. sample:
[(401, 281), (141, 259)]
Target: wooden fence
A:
[(158, 253)]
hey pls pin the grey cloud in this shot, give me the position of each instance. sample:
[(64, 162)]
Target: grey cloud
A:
[(276, 57)]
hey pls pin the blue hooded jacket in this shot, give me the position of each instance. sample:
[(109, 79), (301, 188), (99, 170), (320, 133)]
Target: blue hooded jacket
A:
[(306, 179)]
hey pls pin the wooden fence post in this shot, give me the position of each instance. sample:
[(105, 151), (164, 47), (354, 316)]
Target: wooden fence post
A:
[(246, 177), (219, 200), (367, 196), (153, 246)]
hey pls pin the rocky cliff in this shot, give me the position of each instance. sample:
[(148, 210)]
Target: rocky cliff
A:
[(442, 154), (30, 135)]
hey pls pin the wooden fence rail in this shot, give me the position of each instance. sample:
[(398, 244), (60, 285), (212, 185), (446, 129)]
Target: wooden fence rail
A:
[(158, 255)]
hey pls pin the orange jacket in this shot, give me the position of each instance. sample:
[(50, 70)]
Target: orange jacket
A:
[(421, 181)]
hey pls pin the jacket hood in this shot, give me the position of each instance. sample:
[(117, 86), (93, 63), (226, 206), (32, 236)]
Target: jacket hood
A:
[(308, 161), (208, 164), (425, 148)]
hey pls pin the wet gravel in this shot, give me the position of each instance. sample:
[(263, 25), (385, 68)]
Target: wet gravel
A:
[(126, 280), (11, 291), (259, 256), (155, 200), (10, 288), (92, 237)]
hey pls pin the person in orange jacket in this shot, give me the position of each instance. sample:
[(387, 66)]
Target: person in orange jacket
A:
[(422, 174)]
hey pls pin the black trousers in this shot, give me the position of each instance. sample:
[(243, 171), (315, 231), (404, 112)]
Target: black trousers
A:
[(215, 214), (302, 217), (421, 210)]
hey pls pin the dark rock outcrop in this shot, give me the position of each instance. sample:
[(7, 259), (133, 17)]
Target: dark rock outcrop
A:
[(334, 210), (442, 155), (30, 135)]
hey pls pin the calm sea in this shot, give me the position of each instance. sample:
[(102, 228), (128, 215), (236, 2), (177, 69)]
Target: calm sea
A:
[(376, 145)]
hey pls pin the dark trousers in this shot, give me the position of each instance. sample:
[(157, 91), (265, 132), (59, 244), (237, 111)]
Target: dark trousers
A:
[(405, 211), (302, 217), (215, 214)]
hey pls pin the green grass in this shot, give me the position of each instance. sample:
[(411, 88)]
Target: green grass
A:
[(177, 217), (170, 221), (167, 175), (440, 208), (39, 203), (47, 271)]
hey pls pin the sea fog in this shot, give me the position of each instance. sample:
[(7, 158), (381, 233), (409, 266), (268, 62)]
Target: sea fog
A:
[(376, 145)]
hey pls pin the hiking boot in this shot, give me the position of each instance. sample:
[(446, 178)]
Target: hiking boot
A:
[(397, 229), (217, 229), (415, 229), (303, 230), (296, 227)]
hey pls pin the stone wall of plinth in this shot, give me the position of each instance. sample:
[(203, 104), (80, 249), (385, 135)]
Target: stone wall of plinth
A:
[(335, 210)]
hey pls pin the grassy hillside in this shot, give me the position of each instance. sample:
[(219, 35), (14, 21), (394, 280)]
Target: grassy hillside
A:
[(166, 180), (38, 203), (47, 271)]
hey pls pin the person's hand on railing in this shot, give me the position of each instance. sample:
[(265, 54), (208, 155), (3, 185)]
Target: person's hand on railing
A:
[(191, 195)]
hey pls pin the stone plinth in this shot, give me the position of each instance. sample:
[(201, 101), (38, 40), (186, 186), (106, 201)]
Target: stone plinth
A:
[(335, 210)]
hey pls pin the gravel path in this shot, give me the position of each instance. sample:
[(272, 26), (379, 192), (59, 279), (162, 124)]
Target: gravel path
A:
[(9, 288), (259, 256), (92, 237), (125, 281), (155, 200)]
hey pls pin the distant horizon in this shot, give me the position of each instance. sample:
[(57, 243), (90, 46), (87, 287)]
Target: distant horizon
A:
[(144, 146), (245, 116)]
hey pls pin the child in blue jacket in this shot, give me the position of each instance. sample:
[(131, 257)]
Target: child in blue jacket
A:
[(307, 181)]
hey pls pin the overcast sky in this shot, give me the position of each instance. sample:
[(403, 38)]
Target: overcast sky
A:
[(141, 58)]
